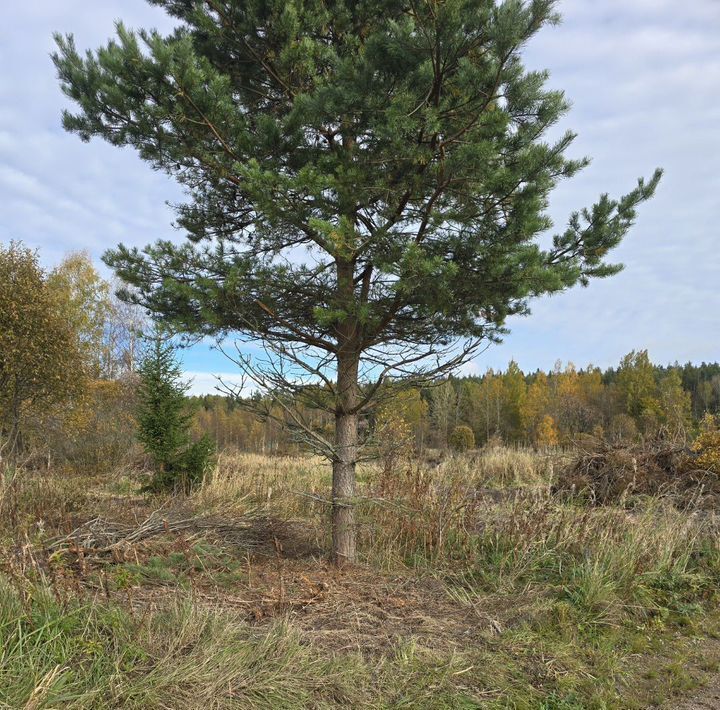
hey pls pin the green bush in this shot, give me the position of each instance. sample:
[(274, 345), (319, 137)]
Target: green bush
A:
[(462, 438)]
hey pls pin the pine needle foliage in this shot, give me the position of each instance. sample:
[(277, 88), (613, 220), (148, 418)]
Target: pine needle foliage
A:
[(366, 180)]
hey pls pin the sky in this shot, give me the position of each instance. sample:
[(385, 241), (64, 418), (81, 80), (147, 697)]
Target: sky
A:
[(643, 77)]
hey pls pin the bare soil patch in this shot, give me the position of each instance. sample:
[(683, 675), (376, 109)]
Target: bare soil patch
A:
[(707, 697), (354, 609)]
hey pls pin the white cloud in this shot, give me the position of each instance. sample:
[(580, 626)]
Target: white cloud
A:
[(642, 77), (216, 383)]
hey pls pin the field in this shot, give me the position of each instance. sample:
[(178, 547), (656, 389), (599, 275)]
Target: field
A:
[(478, 587)]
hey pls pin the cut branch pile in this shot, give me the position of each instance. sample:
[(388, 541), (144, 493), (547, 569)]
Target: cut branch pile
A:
[(100, 536), (609, 472)]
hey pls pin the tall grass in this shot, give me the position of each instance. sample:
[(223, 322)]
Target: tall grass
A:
[(610, 562), (182, 656), (33, 503), (564, 595), (607, 564), (503, 467), (273, 482)]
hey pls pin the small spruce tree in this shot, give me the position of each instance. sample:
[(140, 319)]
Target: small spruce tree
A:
[(164, 422)]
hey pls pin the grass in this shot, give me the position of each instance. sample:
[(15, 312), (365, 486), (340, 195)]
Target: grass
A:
[(182, 655), (95, 655), (476, 588)]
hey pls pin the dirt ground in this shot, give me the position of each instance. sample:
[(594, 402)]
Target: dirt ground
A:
[(705, 698), (281, 575), (279, 572)]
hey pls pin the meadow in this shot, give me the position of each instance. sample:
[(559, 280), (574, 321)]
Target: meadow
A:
[(479, 585)]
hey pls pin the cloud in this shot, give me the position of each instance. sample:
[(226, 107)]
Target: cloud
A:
[(57, 193), (642, 77), (216, 383)]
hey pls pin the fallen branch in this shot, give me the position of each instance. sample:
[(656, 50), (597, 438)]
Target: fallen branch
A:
[(102, 536)]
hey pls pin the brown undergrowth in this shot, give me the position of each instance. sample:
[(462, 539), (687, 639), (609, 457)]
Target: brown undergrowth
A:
[(477, 586), (235, 557), (607, 473)]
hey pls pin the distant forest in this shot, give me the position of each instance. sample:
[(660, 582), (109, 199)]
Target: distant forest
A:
[(636, 399), (69, 377)]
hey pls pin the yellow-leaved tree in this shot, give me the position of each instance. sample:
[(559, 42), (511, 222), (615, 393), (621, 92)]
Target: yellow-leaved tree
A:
[(547, 433), (40, 355), (95, 425), (707, 445)]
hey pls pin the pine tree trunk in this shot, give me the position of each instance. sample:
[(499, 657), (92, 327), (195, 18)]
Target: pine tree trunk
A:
[(346, 449)]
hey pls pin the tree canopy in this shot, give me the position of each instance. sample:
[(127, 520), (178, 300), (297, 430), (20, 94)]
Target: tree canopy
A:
[(366, 180), (40, 355)]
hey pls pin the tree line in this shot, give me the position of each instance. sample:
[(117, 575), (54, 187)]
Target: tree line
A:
[(70, 353), (633, 400)]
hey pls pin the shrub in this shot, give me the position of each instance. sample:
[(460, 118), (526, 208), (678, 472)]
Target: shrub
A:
[(623, 429), (707, 445), (90, 430), (462, 438)]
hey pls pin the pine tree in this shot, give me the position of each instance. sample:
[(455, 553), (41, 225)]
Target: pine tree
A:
[(366, 185)]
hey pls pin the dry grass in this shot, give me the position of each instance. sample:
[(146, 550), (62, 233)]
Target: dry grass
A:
[(279, 479), (271, 481), (43, 502), (503, 467), (526, 600), (408, 514)]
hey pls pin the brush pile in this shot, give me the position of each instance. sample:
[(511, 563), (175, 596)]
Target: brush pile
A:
[(100, 537), (608, 472)]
